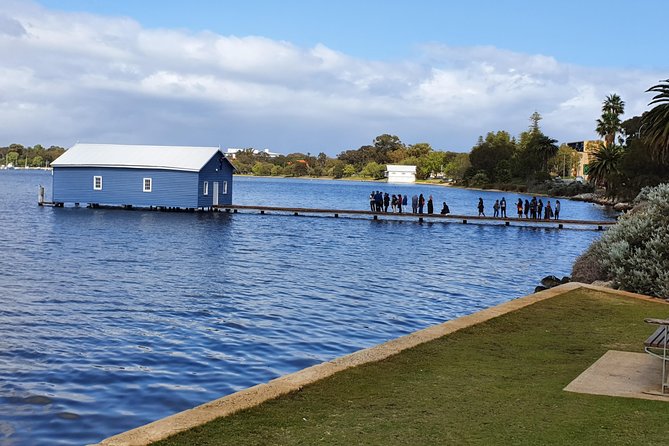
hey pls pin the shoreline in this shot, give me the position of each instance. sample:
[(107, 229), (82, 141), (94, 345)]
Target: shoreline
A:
[(586, 198)]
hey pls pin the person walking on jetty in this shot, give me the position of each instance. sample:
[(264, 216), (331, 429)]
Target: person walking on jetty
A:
[(393, 203), (519, 207), (528, 208), (481, 207), (495, 209), (430, 205), (502, 207), (399, 203), (540, 207), (556, 214), (445, 210), (386, 202), (405, 200), (372, 201), (414, 204), (421, 203)]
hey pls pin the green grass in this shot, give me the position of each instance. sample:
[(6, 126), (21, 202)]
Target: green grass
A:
[(499, 382)]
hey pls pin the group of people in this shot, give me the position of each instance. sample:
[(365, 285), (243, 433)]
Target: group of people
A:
[(530, 208), (380, 202)]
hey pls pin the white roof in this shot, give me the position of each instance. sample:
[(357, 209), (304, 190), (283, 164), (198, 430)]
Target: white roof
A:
[(136, 156), (400, 168)]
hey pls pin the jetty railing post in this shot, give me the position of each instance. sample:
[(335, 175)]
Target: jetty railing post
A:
[(40, 196)]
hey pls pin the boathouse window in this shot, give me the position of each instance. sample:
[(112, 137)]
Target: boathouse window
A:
[(147, 184), (97, 183), (205, 188), (225, 187)]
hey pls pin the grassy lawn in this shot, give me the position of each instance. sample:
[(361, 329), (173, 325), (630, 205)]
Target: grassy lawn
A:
[(499, 382)]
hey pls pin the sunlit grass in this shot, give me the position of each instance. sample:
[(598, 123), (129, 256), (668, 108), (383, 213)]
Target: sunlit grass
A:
[(499, 382)]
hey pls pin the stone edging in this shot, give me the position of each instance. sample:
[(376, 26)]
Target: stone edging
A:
[(258, 394)]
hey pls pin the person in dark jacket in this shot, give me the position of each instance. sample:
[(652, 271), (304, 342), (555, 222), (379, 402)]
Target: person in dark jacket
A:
[(445, 210), (421, 203), (481, 208), (430, 205)]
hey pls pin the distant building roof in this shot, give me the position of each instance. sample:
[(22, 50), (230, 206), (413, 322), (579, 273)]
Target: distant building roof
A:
[(400, 168), (185, 158)]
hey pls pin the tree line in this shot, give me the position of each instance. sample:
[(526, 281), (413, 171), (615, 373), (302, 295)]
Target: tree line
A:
[(35, 156)]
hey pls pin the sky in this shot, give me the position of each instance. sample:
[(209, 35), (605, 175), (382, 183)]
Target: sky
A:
[(320, 76)]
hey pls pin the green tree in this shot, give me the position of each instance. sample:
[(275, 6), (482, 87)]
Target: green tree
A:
[(489, 152), (374, 170), (534, 119), (457, 167), (277, 171), (434, 162), (12, 157), (655, 123), (610, 124), (565, 162), (335, 168), (419, 150), (349, 170), (605, 167), (37, 161), (261, 168)]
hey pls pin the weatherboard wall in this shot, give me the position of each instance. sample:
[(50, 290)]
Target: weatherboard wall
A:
[(218, 169), (125, 186)]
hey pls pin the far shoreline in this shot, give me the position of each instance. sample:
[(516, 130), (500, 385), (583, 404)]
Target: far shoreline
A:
[(590, 198)]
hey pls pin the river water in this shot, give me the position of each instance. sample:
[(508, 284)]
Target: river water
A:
[(111, 319)]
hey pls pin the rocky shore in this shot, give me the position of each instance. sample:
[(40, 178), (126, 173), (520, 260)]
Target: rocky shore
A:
[(599, 199)]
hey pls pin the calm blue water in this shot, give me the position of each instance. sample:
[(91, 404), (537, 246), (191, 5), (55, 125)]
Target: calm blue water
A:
[(111, 319)]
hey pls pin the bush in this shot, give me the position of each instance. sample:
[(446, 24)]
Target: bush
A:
[(479, 180), (635, 252), (588, 268)]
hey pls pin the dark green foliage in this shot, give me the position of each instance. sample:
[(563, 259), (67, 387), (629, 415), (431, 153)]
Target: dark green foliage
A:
[(605, 167), (486, 155), (655, 123)]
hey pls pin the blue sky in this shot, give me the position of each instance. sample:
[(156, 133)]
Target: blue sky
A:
[(611, 33), (319, 75)]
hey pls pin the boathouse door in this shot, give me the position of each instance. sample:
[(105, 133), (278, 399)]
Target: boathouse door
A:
[(215, 194)]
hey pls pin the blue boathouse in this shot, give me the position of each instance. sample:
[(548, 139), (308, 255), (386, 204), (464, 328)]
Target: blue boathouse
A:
[(142, 176)]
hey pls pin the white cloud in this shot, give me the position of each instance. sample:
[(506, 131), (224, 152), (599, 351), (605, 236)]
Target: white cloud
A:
[(67, 77)]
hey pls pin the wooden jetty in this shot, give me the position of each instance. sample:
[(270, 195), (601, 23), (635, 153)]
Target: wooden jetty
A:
[(464, 219)]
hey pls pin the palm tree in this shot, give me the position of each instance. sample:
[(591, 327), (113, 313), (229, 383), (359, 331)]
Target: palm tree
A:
[(655, 123), (605, 166), (614, 104), (610, 122), (607, 126)]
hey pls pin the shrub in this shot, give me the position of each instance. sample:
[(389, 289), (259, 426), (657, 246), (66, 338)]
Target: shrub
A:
[(480, 179), (588, 268), (635, 252)]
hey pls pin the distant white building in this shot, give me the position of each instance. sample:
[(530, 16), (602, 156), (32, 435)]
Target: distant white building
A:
[(232, 153), (400, 174)]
